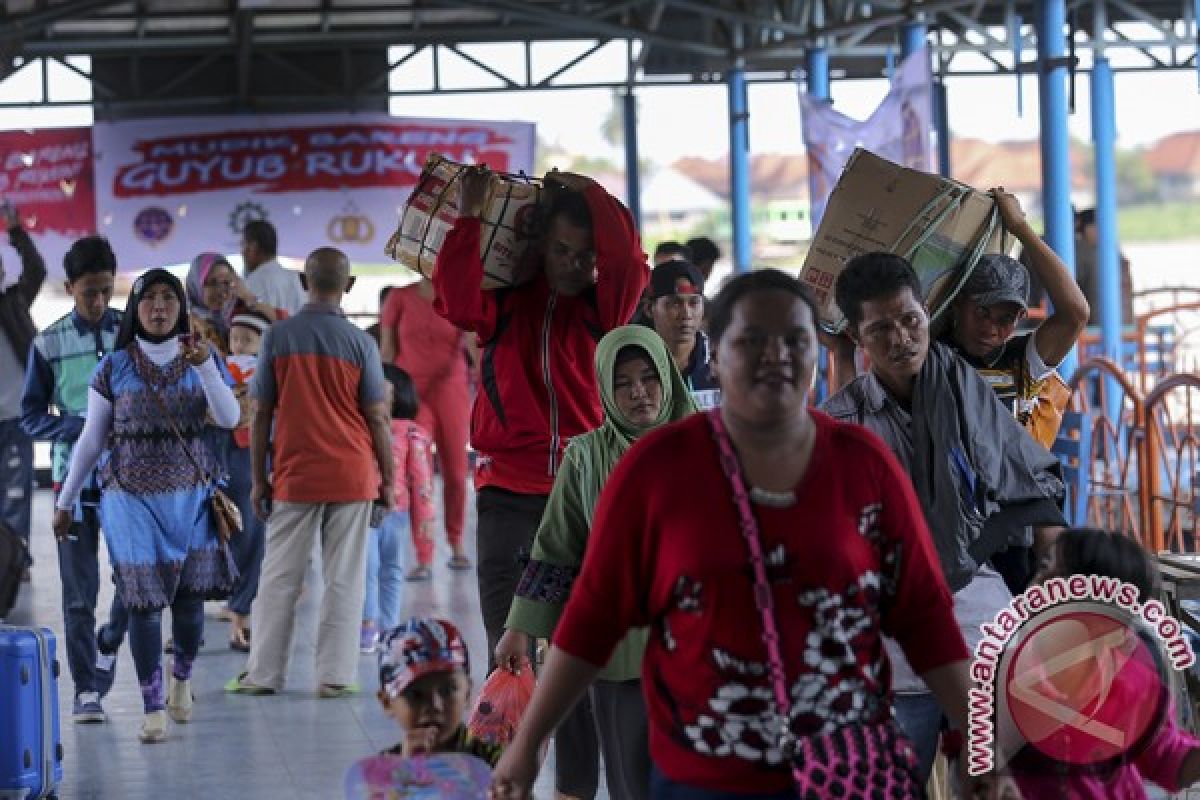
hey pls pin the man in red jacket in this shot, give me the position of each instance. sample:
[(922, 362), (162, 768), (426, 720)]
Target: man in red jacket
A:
[(537, 377)]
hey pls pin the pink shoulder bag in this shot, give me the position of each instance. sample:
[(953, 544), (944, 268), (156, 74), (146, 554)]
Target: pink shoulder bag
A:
[(861, 758)]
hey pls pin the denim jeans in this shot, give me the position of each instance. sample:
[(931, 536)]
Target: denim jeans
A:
[(16, 477), (920, 717), (79, 571), (386, 549), (247, 547)]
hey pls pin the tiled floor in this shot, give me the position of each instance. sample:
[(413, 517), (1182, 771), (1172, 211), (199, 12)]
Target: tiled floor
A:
[(293, 745)]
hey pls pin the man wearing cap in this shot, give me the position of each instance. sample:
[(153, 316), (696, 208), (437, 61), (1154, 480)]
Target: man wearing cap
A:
[(995, 301), (675, 309), (1020, 368)]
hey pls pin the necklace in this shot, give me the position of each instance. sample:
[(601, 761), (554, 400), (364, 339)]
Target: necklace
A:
[(765, 497)]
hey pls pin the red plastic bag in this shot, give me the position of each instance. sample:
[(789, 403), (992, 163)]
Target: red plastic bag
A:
[(501, 705)]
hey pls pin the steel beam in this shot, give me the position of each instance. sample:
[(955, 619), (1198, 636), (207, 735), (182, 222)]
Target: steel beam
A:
[(592, 26), (21, 25)]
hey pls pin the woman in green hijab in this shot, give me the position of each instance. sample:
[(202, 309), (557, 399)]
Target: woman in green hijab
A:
[(641, 390)]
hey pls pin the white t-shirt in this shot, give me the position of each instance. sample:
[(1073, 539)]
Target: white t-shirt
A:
[(975, 604), (277, 286)]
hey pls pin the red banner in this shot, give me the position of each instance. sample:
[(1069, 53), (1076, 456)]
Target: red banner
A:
[(47, 175), (298, 159)]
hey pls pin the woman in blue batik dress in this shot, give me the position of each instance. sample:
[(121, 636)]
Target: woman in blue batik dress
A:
[(148, 404)]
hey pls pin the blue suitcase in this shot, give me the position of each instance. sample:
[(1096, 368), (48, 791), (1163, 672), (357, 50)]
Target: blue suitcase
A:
[(30, 739)]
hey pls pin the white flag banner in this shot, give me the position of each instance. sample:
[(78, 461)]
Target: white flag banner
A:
[(168, 189), (898, 130)]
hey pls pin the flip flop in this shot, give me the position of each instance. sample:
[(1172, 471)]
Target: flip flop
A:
[(329, 691), (238, 686), (459, 563), (239, 640), (419, 574)]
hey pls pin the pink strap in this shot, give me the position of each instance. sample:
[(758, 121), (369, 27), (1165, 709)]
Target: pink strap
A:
[(763, 598)]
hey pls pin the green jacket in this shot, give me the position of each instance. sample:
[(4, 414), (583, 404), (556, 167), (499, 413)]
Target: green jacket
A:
[(588, 460)]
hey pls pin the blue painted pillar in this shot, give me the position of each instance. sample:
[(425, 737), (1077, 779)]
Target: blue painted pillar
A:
[(1056, 161), (633, 180), (816, 75), (912, 38), (1104, 137), (941, 122), (739, 167), (816, 70)]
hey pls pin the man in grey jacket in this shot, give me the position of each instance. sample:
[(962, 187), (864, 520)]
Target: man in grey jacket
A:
[(979, 477)]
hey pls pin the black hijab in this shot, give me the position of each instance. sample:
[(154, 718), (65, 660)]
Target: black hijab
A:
[(131, 326)]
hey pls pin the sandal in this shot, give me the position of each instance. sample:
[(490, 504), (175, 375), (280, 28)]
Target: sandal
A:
[(330, 691), (421, 573), (459, 563), (239, 640), (238, 685)]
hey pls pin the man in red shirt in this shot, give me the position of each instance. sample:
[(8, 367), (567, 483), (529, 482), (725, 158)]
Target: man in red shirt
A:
[(538, 341)]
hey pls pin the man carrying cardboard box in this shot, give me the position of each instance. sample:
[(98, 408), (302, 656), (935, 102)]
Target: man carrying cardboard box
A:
[(538, 341), (979, 479)]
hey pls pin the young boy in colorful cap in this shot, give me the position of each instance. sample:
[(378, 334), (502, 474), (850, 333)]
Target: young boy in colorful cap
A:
[(424, 685)]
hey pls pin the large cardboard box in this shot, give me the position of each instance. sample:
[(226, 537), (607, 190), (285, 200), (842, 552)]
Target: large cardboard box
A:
[(509, 223), (939, 225)]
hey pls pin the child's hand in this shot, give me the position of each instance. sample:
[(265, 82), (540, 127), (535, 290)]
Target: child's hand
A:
[(419, 742)]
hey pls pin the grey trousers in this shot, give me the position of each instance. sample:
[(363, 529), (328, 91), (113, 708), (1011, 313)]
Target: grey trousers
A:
[(342, 531), (613, 716)]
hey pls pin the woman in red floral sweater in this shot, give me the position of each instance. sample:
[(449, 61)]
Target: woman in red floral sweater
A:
[(841, 544)]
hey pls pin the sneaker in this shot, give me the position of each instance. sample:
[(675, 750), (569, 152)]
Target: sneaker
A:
[(179, 699), (106, 667), (87, 709), (154, 727), (368, 638)]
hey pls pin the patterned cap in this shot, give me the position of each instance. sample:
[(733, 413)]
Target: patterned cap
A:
[(419, 647), (998, 279), (675, 277), (254, 320)]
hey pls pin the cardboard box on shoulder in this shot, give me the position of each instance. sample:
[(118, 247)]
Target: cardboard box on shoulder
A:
[(508, 223), (939, 225)]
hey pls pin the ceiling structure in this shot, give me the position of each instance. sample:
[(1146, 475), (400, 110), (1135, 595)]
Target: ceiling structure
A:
[(209, 56)]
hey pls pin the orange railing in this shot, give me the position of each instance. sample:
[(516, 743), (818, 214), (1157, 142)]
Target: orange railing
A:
[(1118, 496), (1150, 349), (1173, 460)]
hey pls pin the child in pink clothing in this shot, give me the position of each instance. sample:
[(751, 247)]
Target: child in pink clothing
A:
[(414, 510), (1170, 758)]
